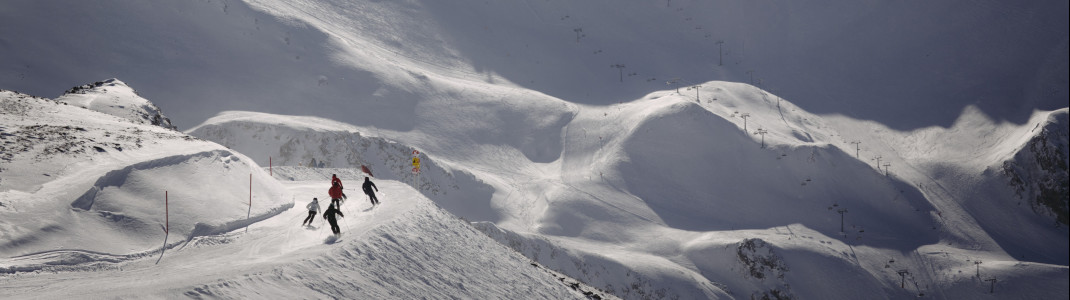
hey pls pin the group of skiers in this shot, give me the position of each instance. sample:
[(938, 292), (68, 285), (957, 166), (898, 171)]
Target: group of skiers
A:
[(337, 198)]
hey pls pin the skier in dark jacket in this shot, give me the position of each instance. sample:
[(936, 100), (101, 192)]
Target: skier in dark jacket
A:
[(368, 186), (330, 216)]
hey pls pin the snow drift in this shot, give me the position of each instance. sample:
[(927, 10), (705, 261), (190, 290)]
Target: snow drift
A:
[(94, 183)]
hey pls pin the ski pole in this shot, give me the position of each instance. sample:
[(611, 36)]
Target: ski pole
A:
[(347, 223)]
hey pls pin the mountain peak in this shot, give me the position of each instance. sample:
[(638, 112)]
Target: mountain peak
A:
[(115, 97)]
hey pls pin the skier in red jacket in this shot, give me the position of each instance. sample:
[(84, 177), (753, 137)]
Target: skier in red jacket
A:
[(336, 194), (334, 179)]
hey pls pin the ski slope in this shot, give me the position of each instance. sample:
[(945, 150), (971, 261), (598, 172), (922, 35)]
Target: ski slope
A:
[(676, 149), (95, 228), (405, 248), (664, 198), (600, 229)]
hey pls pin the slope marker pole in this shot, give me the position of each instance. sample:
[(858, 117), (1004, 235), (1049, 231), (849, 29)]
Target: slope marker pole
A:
[(166, 228), (250, 212), (166, 214)]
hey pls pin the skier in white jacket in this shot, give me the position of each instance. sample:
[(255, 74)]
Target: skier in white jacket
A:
[(313, 207)]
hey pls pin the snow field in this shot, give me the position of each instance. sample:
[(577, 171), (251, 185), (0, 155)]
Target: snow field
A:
[(613, 204), (404, 248)]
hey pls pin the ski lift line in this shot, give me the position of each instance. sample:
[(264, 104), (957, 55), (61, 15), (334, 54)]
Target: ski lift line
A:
[(465, 74), (429, 62), (425, 62), (534, 12), (926, 275)]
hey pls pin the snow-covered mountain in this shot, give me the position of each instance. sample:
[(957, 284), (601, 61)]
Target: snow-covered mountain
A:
[(89, 201), (115, 98), (907, 65), (1038, 170), (618, 200), (676, 149)]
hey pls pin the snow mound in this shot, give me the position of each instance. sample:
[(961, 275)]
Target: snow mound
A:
[(120, 196), (115, 98), (78, 184), (308, 148)]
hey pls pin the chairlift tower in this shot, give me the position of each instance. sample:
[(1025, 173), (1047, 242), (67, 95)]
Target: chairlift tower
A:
[(695, 87), (842, 211), (992, 287), (903, 277), (674, 82), (621, 68), (762, 132), (720, 60)]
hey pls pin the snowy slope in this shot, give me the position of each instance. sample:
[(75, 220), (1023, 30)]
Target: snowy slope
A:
[(589, 137), (115, 98), (298, 141), (100, 211), (367, 62), (1039, 168), (668, 197), (78, 182), (406, 248)]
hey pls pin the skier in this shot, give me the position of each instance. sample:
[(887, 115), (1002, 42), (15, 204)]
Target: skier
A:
[(313, 207), (368, 186), (336, 193), (334, 179), (330, 216)]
